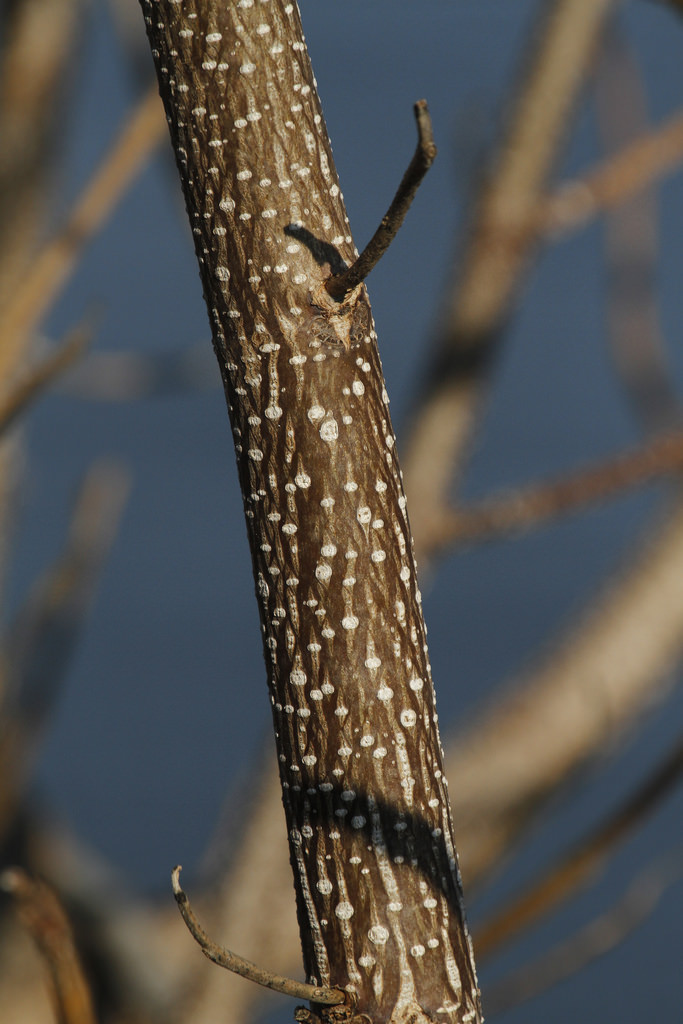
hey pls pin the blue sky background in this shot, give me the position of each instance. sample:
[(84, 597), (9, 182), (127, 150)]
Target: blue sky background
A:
[(174, 641)]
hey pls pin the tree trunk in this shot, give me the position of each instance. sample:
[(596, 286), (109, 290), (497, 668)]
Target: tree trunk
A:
[(371, 841)]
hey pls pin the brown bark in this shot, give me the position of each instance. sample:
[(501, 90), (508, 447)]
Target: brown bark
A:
[(378, 891)]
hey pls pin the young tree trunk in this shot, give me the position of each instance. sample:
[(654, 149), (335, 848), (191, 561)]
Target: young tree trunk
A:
[(377, 884)]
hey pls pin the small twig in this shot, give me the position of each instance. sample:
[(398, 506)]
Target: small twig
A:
[(38, 378), (341, 284), (575, 870), (44, 918), (527, 507), (245, 968)]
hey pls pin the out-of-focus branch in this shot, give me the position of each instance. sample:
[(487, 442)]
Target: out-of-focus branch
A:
[(585, 694), (37, 44), (51, 268), (580, 866), (37, 40), (44, 918), (37, 651), (529, 506), (596, 939), (636, 165), (125, 376), (38, 378), (632, 244), (498, 251)]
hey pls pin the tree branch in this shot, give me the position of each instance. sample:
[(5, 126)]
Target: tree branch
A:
[(590, 687), (49, 271), (244, 968), (578, 867), (594, 940), (37, 379), (498, 250), (44, 918), (657, 152), (531, 506), (366, 804), (341, 284)]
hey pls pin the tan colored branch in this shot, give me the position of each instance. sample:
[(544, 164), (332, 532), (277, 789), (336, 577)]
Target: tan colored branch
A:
[(37, 46), (44, 918), (594, 940), (40, 643), (38, 378), (579, 867), (498, 251), (531, 506), (635, 330), (50, 270), (124, 376), (593, 686), (244, 968), (634, 167)]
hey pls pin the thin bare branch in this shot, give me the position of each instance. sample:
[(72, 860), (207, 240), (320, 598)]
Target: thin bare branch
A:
[(50, 270), (634, 167), (579, 867), (635, 329), (36, 48), (44, 918), (38, 39), (596, 939), (341, 284), (124, 376), (588, 690), (38, 378), (498, 251), (258, 875), (38, 649), (529, 506), (246, 969)]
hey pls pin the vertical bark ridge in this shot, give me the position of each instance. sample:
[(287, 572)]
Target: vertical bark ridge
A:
[(378, 890)]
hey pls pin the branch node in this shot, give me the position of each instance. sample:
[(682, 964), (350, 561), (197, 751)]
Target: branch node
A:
[(340, 285), (238, 965)]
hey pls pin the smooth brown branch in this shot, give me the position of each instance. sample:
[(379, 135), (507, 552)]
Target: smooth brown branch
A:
[(109, 376), (51, 268), (614, 180), (37, 379), (245, 968), (574, 871), (39, 644), (593, 685), (44, 918), (598, 937), (341, 284), (631, 240), (498, 251), (527, 507)]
